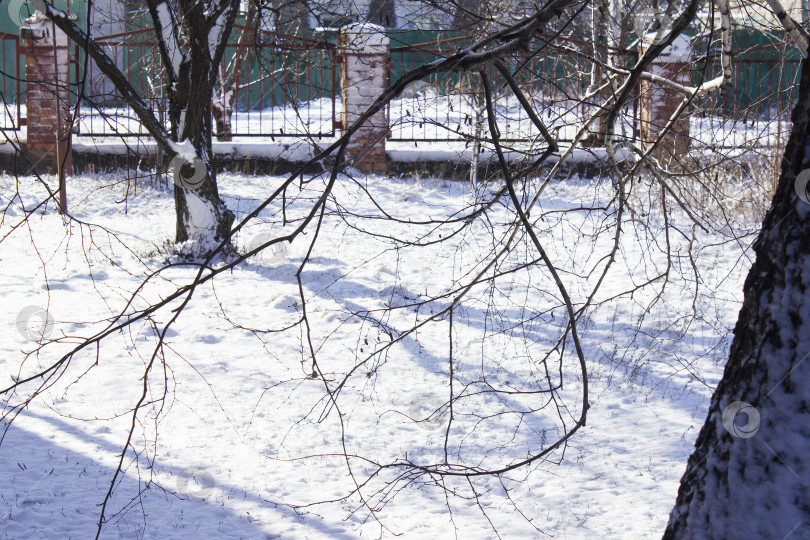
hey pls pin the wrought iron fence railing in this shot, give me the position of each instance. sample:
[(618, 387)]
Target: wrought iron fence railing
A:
[(450, 106), (287, 87)]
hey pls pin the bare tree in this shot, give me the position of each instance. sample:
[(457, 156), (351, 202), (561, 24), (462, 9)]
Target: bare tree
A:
[(527, 405), (191, 72), (756, 431)]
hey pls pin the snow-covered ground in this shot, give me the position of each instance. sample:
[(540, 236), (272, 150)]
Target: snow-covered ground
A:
[(241, 445)]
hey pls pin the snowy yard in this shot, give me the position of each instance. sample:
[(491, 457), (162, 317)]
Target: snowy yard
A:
[(244, 444)]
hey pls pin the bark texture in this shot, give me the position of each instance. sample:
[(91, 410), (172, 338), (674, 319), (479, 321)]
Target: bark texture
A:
[(201, 213), (750, 479)]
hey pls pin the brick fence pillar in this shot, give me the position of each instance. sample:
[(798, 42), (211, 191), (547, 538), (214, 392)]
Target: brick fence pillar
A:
[(47, 98), (658, 103), (364, 48)]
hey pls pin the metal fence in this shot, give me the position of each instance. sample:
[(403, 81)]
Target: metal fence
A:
[(450, 106), (12, 116), (755, 110), (764, 82), (287, 87), (101, 109)]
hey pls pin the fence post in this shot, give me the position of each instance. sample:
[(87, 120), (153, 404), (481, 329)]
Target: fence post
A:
[(364, 49), (47, 98), (658, 103)]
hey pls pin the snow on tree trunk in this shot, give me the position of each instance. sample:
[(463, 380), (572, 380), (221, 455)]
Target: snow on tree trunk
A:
[(202, 216), (749, 475), (203, 220)]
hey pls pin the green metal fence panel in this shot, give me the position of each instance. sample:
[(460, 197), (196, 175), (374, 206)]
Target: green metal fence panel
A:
[(765, 73)]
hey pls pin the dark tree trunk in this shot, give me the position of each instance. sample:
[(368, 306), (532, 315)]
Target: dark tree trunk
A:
[(201, 214), (750, 476), (197, 129), (223, 112), (192, 122), (382, 12)]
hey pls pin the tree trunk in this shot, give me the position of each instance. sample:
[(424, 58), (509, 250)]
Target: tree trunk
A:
[(382, 12), (599, 28), (231, 77), (200, 211), (749, 475), (201, 215)]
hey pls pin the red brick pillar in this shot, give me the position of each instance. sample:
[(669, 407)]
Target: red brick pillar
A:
[(658, 103), (47, 99), (364, 48)]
